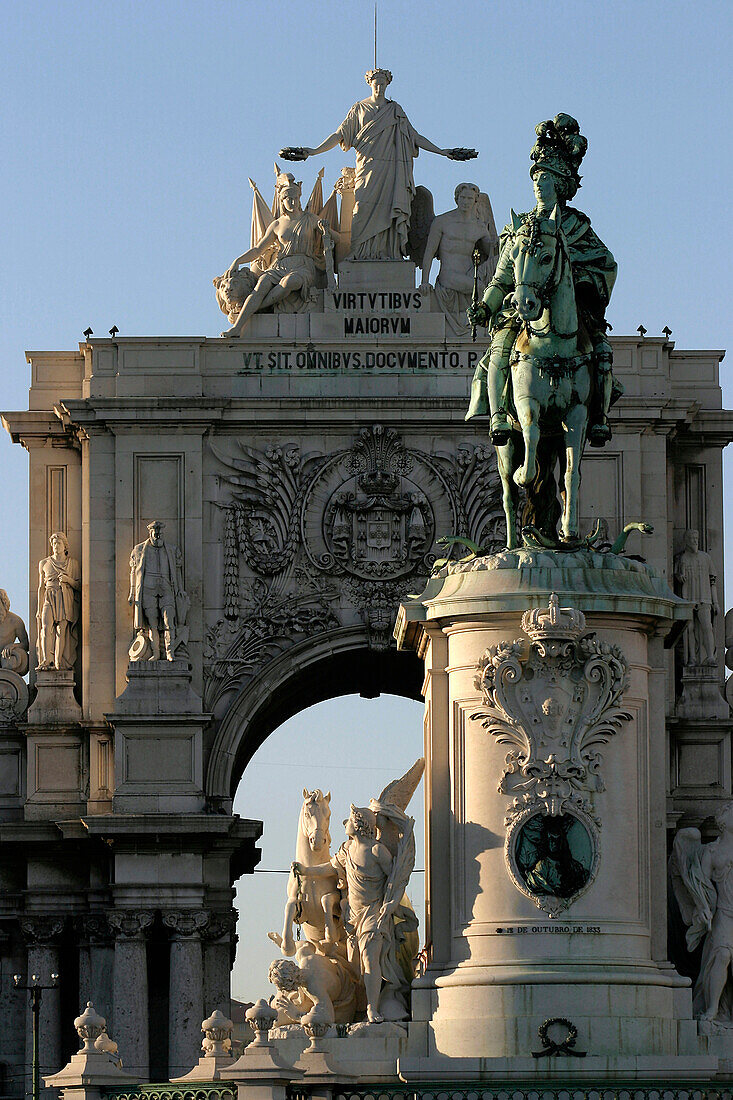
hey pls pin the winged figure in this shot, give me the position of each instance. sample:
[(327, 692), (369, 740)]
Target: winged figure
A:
[(452, 238), (702, 881)]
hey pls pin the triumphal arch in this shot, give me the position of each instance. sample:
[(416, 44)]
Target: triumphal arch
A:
[(222, 530)]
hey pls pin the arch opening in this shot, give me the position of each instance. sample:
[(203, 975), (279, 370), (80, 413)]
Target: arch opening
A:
[(345, 744), (340, 663)]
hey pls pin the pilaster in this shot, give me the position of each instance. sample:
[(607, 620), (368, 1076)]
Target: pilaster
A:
[(130, 988), (42, 935), (186, 993)]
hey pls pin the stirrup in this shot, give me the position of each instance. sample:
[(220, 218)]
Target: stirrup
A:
[(599, 434), (500, 430)]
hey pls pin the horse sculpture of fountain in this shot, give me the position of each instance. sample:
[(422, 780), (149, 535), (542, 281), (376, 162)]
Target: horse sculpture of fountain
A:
[(311, 904)]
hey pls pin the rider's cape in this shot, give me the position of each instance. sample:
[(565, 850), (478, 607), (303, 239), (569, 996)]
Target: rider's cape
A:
[(594, 273)]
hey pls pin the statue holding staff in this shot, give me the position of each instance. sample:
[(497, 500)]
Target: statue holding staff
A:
[(386, 144)]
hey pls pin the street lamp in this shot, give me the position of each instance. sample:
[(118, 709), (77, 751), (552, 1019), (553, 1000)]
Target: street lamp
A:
[(36, 991)]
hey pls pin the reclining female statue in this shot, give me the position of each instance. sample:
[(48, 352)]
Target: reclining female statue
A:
[(300, 236)]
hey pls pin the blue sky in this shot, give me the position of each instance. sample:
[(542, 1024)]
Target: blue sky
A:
[(129, 129)]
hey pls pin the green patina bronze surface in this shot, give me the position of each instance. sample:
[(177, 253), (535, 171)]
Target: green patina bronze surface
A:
[(554, 855), (546, 379)]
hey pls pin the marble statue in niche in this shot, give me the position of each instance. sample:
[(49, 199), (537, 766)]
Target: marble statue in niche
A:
[(696, 580), (160, 604), (386, 145), (58, 606), (14, 646)]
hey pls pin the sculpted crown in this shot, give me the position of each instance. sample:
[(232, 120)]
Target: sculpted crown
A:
[(561, 623)]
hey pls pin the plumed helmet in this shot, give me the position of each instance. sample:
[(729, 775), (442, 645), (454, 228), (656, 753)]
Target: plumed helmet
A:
[(560, 148)]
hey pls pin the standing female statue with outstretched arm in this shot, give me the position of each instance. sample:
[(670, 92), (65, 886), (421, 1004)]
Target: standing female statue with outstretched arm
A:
[(386, 144)]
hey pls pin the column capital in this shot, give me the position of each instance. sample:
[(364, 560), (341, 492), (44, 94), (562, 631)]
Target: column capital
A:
[(94, 928), (42, 931), (130, 924), (185, 923), (221, 925)]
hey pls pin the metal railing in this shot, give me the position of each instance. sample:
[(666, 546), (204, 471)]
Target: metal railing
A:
[(533, 1091), (202, 1090)]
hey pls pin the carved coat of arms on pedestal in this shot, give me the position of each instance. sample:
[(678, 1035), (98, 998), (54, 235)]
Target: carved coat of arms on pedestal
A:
[(555, 697)]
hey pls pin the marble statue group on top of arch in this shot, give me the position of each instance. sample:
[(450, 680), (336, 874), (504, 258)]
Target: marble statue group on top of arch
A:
[(386, 145), (384, 216)]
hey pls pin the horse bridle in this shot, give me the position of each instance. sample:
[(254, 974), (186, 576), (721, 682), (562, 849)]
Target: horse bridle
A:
[(546, 289)]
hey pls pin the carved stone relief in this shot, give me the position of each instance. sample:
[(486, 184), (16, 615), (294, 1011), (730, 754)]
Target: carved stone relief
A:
[(554, 697), (313, 542)]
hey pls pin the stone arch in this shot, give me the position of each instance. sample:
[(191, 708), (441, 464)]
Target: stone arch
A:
[(325, 667)]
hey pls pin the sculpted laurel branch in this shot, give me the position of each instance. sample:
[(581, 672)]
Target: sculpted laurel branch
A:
[(480, 493)]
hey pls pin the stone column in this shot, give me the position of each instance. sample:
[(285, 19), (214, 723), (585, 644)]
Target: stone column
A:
[(42, 935), (219, 938), (96, 962), (130, 995), (542, 672), (186, 990)]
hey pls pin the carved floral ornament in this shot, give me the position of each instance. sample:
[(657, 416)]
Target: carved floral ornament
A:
[(555, 698)]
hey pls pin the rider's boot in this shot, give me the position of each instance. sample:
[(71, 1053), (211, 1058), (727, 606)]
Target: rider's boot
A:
[(501, 429), (496, 383), (599, 431)]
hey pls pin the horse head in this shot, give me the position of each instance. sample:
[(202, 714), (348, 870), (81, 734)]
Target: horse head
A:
[(535, 252), (315, 818)]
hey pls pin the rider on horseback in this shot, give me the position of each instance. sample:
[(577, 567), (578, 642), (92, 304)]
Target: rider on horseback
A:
[(557, 154)]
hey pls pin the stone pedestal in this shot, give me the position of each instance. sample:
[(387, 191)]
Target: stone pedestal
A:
[(54, 704), (158, 723), (384, 274), (701, 696), (503, 961)]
